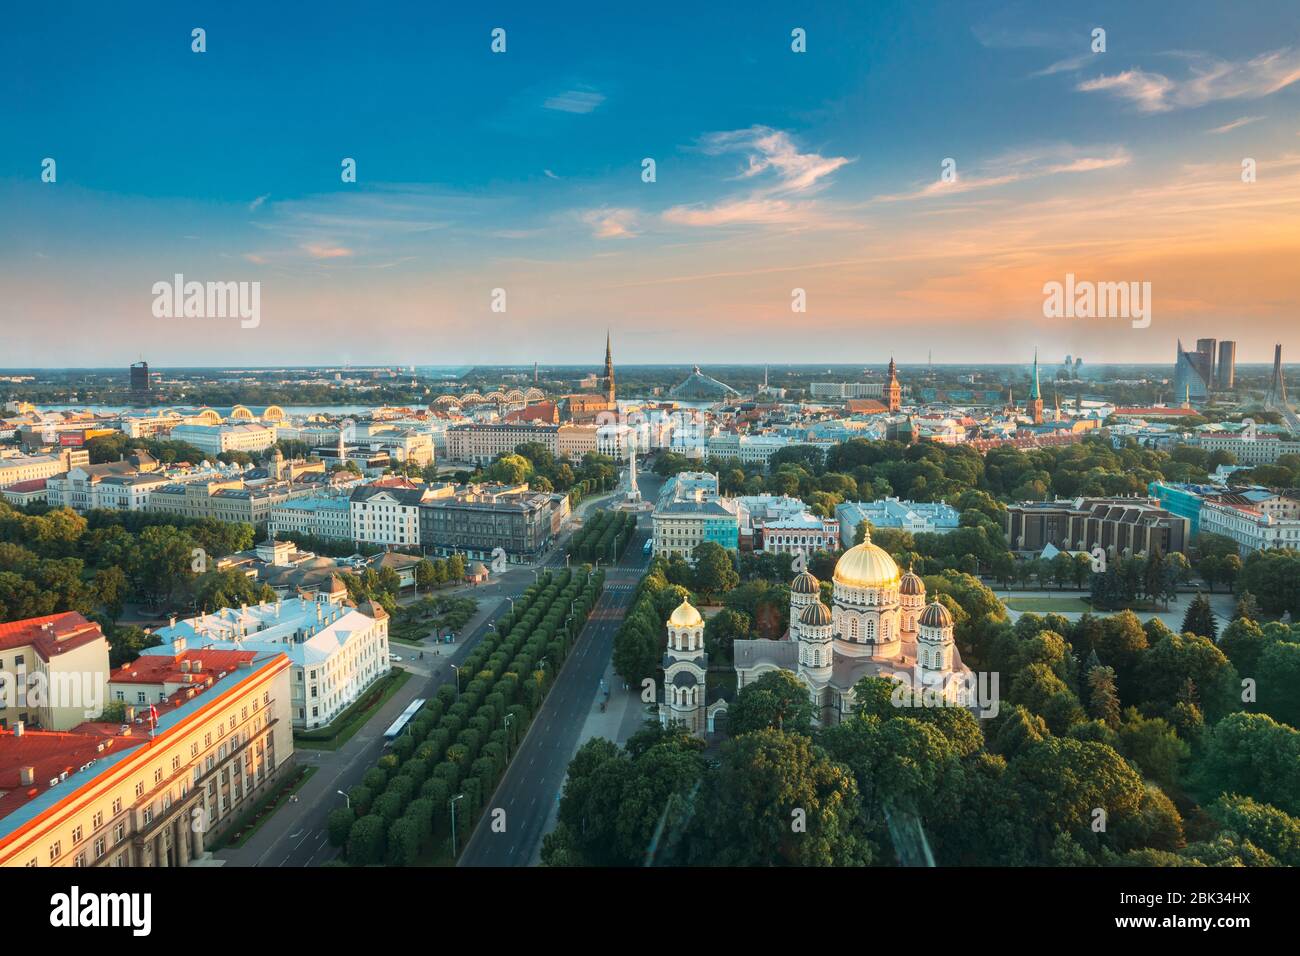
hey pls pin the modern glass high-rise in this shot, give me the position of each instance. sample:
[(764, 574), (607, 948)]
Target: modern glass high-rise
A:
[(1188, 382), (1204, 360), (1226, 374)]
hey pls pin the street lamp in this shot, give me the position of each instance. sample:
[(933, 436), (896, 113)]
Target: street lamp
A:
[(457, 670), (345, 797), (505, 721), (459, 796)]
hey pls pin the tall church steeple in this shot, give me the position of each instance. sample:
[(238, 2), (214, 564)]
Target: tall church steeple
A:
[(1036, 395), (609, 370), (893, 391)]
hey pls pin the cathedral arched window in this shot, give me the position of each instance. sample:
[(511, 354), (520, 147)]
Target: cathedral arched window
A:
[(871, 631)]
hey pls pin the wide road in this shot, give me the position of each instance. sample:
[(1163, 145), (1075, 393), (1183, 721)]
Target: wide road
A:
[(535, 777)]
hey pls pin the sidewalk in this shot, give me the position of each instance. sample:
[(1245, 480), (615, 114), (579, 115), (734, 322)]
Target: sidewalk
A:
[(623, 716)]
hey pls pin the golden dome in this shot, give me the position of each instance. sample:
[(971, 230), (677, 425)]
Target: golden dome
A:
[(866, 566), (685, 616)]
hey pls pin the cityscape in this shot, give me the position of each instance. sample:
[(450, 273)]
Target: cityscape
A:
[(868, 446)]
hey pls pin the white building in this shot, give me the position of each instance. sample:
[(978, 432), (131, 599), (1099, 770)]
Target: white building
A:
[(780, 524), (931, 517), (215, 439), (323, 516), (1257, 520), (335, 651), (387, 515)]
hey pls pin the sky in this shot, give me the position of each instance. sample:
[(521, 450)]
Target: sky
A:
[(523, 171)]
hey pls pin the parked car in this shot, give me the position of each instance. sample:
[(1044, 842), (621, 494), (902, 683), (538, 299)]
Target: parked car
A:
[(394, 658)]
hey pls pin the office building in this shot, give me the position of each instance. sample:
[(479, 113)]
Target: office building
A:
[(1226, 373), (1122, 527), (149, 791)]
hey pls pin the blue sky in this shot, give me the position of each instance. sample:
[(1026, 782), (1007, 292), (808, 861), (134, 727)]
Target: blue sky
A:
[(521, 171)]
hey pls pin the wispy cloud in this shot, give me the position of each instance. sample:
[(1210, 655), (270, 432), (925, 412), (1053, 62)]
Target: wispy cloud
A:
[(1019, 166), (1235, 124), (258, 202), (1209, 80), (549, 174), (611, 223), (321, 251), (772, 150), (574, 101)]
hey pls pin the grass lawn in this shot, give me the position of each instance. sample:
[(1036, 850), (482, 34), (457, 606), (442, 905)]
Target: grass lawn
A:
[(252, 821), (1047, 605), (351, 720)]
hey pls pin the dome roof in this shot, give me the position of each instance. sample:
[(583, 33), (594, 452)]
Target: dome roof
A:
[(816, 614), (911, 583), (935, 615), (805, 583), (685, 616), (866, 566)]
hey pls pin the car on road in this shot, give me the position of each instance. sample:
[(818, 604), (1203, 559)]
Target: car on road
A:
[(394, 658)]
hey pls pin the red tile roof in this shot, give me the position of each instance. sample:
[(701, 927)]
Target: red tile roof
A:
[(35, 484), (50, 754), (165, 669), (50, 635)]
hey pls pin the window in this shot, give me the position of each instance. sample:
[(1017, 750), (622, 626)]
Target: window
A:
[(99, 847), (119, 833), (56, 848), (117, 806), (139, 789), (76, 835), (157, 776), (97, 820)]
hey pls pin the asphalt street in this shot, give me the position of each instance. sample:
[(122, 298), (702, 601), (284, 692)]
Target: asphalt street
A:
[(534, 780)]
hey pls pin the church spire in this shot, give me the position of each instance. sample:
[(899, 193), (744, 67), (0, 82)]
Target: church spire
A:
[(609, 370)]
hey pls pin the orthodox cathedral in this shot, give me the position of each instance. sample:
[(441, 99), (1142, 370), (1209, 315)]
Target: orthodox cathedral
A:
[(878, 625)]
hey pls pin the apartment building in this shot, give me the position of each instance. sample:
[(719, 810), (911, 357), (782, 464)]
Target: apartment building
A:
[(1256, 518), (690, 511), (575, 441), (226, 499), (389, 513), (52, 671), (146, 790), (321, 515), (481, 442), (215, 439), (1249, 447), (918, 517), (335, 651), (16, 467), (478, 519)]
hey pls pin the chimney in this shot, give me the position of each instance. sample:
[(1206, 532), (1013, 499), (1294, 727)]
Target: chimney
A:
[(26, 776)]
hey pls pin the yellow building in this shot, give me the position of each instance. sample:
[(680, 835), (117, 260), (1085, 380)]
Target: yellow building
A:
[(155, 787), (53, 671)]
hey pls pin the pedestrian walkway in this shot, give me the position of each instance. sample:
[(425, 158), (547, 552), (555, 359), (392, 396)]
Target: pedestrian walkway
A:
[(624, 714)]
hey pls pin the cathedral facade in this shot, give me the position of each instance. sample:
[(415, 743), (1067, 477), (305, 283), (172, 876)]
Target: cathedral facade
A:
[(878, 624)]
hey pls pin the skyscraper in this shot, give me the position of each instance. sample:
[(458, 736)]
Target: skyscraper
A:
[(1226, 376), (1204, 360), (140, 383), (1188, 382)]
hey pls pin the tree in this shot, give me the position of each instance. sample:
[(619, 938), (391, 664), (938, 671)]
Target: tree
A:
[(1200, 618), (366, 841), (1153, 745), (722, 630), (1103, 697), (778, 699), (339, 825), (1246, 607), (777, 799), (1254, 756), (110, 590), (714, 570)]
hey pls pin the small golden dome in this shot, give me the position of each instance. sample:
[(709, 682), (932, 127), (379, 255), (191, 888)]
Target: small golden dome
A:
[(866, 566), (936, 615), (685, 616), (911, 584), (805, 583), (816, 614)]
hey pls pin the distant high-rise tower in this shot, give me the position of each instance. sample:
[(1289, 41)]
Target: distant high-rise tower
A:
[(1277, 388), (1036, 395), (893, 391), (1187, 377), (1226, 377), (1205, 359), (609, 372), (141, 386)]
